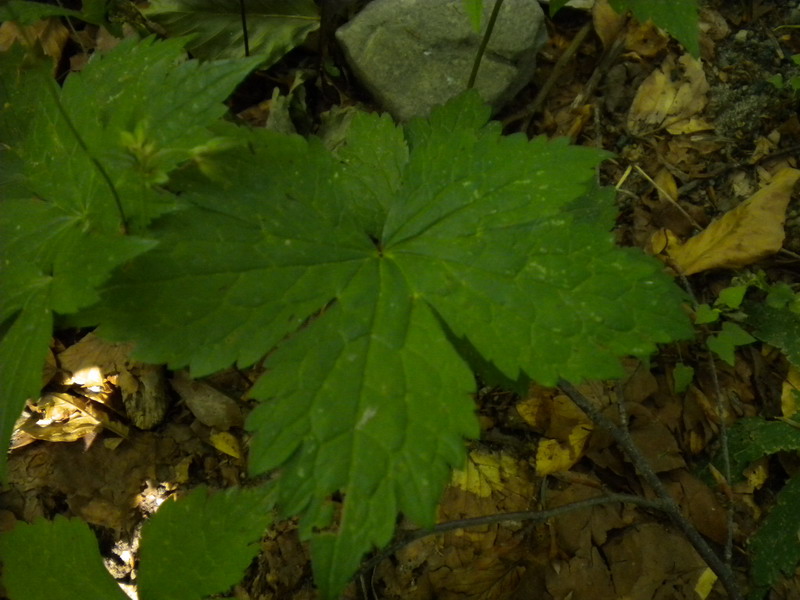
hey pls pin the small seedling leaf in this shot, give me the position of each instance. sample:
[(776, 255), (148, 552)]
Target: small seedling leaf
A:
[(777, 326), (724, 343)]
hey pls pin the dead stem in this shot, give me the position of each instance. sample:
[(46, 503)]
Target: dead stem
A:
[(669, 506)]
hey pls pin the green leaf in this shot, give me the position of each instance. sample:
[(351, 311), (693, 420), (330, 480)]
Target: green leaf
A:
[(676, 17), (111, 135), (682, 377), (774, 547), (55, 560), (26, 12), (349, 269), (23, 349), (201, 544), (274, 27), (705, 314), (725, 342), (779, 327), (474, 10), (731, 297), (751, 438)]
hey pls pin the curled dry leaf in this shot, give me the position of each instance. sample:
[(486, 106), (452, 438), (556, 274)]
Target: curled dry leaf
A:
[(748, 233), (671, 97), (92, 361), (210, 406), (565, 427), (608, 23)]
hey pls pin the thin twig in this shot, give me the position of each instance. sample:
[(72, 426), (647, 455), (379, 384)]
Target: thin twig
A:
[(670, 199), (484, 42), (670, 507), (723, 428), (244, 28), (555, 75), (726, 456), (531, 516)]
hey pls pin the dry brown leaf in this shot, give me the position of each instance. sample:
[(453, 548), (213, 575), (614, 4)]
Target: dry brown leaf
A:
[(608, 23), (50, 34), (748, 233), (93, 361), (210, 406), (645, 39), (671, 97), (566, 429)]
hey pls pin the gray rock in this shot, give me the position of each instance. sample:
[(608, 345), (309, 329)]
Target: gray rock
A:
[(414, 54)]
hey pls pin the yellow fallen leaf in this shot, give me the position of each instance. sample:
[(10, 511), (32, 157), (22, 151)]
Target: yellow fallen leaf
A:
[(788, 392), (607, 22), (671, 97), (226, 443), (748, 233), (553, 456), (487, 472), (705, 583), (565, 427)]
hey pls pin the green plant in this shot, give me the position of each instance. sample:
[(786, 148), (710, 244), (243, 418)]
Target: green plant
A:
[(678, 18), (773, 548), (179, 559), (774, 318), (371, 275), (793, 83)]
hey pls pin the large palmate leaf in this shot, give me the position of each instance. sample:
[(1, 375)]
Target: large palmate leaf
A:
[(79, 161), (366, 271), (273, 26)]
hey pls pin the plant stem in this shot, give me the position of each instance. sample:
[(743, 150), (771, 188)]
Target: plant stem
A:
[(534, 516), (484, 42), (244, 28), (670, 507)]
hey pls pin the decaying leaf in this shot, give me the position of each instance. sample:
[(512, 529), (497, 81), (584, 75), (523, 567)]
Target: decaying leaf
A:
[(50, 34), (671, 98), (477, 563), (565, 427), (92, 361), (748, 233), (210, 406)]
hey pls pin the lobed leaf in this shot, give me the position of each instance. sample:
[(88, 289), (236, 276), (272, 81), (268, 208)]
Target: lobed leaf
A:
[(27, 12), (102, 143), (274, 27), (774, 546), (55, 560), (751, 438), (201, 544), (779, 326), (353, 270)]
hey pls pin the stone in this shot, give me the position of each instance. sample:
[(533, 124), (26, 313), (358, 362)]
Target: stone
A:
[(412, 55)]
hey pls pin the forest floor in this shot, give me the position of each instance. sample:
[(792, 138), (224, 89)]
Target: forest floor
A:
[(704, 137)]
